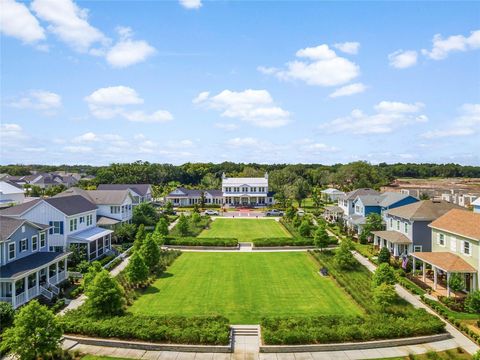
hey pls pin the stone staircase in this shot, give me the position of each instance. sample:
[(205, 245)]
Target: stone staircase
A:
[(245, 330)]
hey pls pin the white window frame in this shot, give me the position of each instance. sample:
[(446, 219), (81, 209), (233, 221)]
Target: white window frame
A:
[(56, 225), (420, 247), (405, 227), (398, 224), (73, 224), (469, 253), (44, 240), (14, 251), (34, 241), (440, 239), (23, 241)]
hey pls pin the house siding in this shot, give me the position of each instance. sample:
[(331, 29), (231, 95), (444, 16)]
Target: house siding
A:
[(16, 238), (422, 235), (473, 259)]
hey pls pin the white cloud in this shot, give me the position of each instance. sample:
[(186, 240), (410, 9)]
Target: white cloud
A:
[(11, 132), (348, 90), (191, 4), (322, 67), (39, 100), (78, 149), (114, 95), (126, 51), (201, 97), (468, 123), (389, 116), (244, 142), (140, 116), (348, 47), (442, 47), (403, 59), (312, 147), (226, 126), (69, 23), (254, 106), (17, 21), (87, 137)]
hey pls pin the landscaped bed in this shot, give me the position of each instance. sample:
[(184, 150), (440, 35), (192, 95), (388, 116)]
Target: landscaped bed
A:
[(244, 287)]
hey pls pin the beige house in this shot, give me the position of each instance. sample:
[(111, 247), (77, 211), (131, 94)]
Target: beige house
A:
[(455, 249)]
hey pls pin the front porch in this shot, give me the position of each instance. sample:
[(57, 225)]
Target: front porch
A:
[(437, 267), (333, 213), (95, 242), (246, 200), (397, 243), (32, 276)]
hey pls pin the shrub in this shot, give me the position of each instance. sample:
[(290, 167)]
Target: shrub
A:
[(383, 275), (145, 214), (305, 228), (344, 257), (182, 225), (125, 232), (384, 295), (137, 270), (93, 270), (150, 253), (288, 241), (472, 302), (321, 238), (140, 236), (195, 241), (476, 356), (162, 227), (384, 256), (455, 282), (7, 315), (105, 296)]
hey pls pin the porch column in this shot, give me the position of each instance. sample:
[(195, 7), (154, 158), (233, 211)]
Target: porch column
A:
[(37, 281), (65, 265), (475, 281), (14, 295), (424, 271), (25, 286), (395, 250), (88, 251), (413, 265), (435, 278), (96, 251), (448, 284), (56, 273)]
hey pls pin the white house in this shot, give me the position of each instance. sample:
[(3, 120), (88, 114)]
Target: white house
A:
[(11, 194), (72, 220), (331, 194), (187, 197), (246, 191), (141, 192)]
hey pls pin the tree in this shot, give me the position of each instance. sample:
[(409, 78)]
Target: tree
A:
[(140, 237), (7, 315), (344, 257), (290, 212), (424, 196), (182, 225), (383, 275), (281, 198), (210, 181), (305, 228), (299, 190), (202, 199), (125, 233), (168, 208), (162, 227), (472, 302), (374, 222), (78, 255), (105, 296), (150, 253), (384, 256), (316, 197), (195, 218), (94, 268), (137, 270), (321, 238), (145, 213), (35, 334), (384, 295), (456, 282)]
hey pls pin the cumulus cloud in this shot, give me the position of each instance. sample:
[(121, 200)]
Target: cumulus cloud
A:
[(403, 59), (191, 4), (253, 106), (87, 137), (127, 51), (46, 101), (109, 102), (389, 116), (77, 149), (226, 126), (17, 21), (315, 148), (318, 65), (441, 47), (467, 123), (348, 90), (348, 47)]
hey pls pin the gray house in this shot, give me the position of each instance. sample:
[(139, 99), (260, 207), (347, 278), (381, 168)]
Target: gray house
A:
[(141, 192), (407, 226), (27, 268)]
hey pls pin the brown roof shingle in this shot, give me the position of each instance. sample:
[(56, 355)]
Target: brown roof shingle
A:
[(459, 222), (425, 210), (445, 261)]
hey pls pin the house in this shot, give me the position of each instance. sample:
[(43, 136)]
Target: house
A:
[(11, 194), (141, 192), (345, 202), (72, 220), (113, 206), (242, 191), (28, 268), (188, 197), (407, 226), (44, 180), (331, 194), (455, 250), (366, 204), (476, 205)]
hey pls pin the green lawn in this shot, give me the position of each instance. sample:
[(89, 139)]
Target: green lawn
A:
[(245, 229), (244, 287)]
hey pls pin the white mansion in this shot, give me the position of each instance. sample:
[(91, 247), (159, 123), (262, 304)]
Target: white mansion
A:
[(236, 191)]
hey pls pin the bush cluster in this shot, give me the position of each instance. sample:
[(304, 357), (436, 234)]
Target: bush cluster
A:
[(284, 241), (455, 304), (205, 330), (195, 224), (410, 286), (195, 241)]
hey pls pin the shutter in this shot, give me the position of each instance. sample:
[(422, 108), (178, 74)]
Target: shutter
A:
[(50, 231), (61, 227)]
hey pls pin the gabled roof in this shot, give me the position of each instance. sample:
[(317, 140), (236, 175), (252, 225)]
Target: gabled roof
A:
[(353, 194), (69, 205), (140, 189), (99, 197), (476, 202), (424, 210), (20, 209), (195, 192), (385, 199), (459, 222), (332, 191), (8, 187), (445, 261), (8, 225), (250, 181), (395, 237)]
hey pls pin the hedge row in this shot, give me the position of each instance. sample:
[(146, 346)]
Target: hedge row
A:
[(284, 241), (195, 241), (204, 330), (410, 286), (332, 329)]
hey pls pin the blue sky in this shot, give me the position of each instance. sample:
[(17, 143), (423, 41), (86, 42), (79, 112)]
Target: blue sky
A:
[(96, 82)]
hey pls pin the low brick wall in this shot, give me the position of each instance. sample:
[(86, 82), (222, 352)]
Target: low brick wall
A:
[(140, 345), (354, 345), (180, 247)]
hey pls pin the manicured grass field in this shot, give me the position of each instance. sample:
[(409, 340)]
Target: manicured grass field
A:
[(244, 287), (245, 229)]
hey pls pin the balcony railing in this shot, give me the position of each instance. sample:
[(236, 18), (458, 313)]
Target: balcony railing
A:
[(21, 299), (32, 292)]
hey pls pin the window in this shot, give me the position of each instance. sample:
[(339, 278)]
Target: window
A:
[(34, 243), (398, 225), (23, 245), (82, 219), (23, 228), (89, 220), (56, 227), (391, 223), (406, 228), (466, 248), (417, 248), (114, 209), (43, 239), (11, 251), (441, 239), (73, 224)]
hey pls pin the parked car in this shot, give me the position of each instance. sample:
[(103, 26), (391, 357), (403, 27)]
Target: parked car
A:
[(274, 212), (212, 212), (300, 212)]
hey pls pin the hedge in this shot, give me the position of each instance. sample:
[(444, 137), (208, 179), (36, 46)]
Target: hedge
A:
[(195, 241), (284, 241), (204, 330), (410, 286)]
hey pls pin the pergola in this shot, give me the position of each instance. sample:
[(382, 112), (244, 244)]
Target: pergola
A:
[(448, 263)]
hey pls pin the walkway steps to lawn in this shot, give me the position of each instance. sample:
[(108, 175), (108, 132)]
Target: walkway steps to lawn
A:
[(245, 246), (246, 330)]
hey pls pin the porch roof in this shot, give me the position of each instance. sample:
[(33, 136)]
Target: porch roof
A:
[(445, 261), (89, 235), (333, 209), (105, 221), (20, 268), (357, 219), (393, 236)]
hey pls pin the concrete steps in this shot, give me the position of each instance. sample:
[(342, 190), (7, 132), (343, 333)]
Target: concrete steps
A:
[(245, 330)]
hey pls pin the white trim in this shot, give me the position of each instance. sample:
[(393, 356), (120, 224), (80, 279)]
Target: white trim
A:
[(14, 250), (454, 233), (26, 242), (37, 247)]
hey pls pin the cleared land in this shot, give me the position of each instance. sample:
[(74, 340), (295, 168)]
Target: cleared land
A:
[(245, 229), (244, 287)]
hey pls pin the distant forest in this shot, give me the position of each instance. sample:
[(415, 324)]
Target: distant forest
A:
[(282, 177)]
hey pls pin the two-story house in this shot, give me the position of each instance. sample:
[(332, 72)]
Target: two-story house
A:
[(455, 250), (72, 220), (331, 194), (141, 192), (242, 191), (187, 197), (364, 205), (113, 206), (407, 226), (345, 202), (27, 266)]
